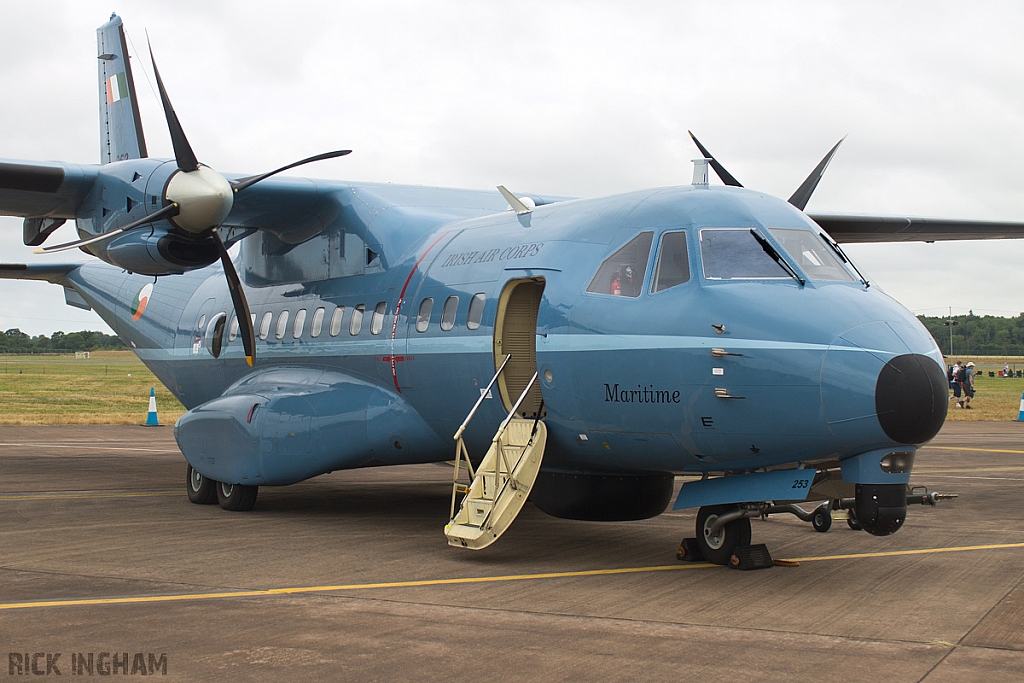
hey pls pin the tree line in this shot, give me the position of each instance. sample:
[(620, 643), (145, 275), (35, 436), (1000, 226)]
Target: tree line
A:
[(16, 341), (974, 335)]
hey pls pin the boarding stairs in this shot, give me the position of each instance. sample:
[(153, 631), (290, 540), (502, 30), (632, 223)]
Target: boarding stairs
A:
[(502, 482)]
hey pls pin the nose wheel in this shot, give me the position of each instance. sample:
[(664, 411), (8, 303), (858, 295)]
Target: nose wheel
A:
[(718, 544)]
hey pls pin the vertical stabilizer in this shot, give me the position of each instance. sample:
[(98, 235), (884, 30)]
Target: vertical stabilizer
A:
[(120, 125)]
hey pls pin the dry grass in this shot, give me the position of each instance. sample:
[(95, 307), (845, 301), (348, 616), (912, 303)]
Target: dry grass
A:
[(111, 387)]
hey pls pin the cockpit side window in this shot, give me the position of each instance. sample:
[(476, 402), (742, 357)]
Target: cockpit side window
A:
[(734, 254), (622, 273), (673, 266), (812, 254)]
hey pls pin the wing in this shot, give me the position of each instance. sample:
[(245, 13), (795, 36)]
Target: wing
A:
[(859, 228)]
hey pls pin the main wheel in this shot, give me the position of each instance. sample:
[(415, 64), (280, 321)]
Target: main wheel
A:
[(853, 523), (236, 497), (822, 518), (718, 547), (201, 491)]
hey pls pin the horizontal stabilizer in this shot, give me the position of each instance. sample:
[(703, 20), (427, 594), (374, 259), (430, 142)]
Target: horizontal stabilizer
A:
[(48, 272)]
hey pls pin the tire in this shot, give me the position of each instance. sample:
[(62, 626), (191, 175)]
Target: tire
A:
[(201, 491), (853, 523), (236, 497), (718, 549), (822, 519)]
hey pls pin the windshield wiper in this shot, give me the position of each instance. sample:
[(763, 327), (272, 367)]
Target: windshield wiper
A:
[(770, 250), (844, 258)]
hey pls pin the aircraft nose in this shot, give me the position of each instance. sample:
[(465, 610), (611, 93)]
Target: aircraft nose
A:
[(880, 384), (911, 398)]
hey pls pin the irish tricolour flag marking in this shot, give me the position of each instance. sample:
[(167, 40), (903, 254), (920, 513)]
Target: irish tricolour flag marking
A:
[(141, 299), (117, 88)]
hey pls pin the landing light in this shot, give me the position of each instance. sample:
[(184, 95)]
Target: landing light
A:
[(898, 462)]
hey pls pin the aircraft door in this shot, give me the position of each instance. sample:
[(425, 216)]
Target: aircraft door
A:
[(515, 332)]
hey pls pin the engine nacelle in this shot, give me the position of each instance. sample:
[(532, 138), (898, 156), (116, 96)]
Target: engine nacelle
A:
[(602, 497), (157, 251)]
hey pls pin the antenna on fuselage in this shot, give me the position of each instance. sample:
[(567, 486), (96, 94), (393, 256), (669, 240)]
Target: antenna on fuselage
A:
[(700, 171), (520, 206)]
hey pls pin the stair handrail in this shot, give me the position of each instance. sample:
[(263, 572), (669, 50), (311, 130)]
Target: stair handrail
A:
[(512, 413), (460, 446), (483, 395)]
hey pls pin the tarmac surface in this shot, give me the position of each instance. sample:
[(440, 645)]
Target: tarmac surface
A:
[(348, 577)]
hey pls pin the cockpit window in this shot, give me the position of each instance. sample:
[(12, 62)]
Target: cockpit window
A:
[(811, 254), (734, 254), (622, 273), (673, 267)]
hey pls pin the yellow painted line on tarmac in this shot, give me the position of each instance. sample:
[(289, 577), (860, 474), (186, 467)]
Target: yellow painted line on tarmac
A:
[(88, 494), (899, 553), (976, 450), (962, 470), (297, 590)]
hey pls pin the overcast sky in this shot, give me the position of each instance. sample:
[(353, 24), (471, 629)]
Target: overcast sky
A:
[(574, 98)]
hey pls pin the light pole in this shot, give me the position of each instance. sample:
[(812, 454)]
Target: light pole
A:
[(949, 322)]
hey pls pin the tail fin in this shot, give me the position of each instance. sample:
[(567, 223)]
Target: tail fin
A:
[(120, 125)]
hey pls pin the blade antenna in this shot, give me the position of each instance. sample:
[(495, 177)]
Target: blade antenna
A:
[(183, 153), (245, 328), (725, 176), (806, 189)]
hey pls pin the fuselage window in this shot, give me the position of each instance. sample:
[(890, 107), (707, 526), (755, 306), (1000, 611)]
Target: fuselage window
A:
[(215, 334), (317, 324), (423, 317), (812, 254), (339, 313), (673, 267), (233, 330), (735, 254), (265, 324), (282, 325), (476, 311), (300, 321), (202, 321), (377, 321), (622, 273), (356, 323), (451, 306)]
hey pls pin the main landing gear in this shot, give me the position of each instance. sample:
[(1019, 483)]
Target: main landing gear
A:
[(720, 529), (204, 491)]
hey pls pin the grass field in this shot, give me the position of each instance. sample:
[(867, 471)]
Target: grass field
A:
[(112, 387), (998, 398)]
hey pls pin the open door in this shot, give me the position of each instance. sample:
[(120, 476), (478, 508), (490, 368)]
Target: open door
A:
[(515, 333)]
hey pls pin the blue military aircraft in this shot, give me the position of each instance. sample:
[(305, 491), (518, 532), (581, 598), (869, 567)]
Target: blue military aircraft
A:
[(601, 346)]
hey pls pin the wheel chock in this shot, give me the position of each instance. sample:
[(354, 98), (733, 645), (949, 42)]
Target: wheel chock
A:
[(689, 551), (751, 557)]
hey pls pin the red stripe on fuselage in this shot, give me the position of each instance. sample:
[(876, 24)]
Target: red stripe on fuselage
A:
[(398, 307)]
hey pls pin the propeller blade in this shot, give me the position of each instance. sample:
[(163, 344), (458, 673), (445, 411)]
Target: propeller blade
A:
[(243, 183), (719, 169), (806, 189), (166, 212), (245, 328), (183, 153)]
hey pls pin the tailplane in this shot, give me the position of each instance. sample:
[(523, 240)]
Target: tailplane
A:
[(120, 124)]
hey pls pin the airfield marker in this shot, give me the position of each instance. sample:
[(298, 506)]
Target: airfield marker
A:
[(1020, 413), (151, 419)]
